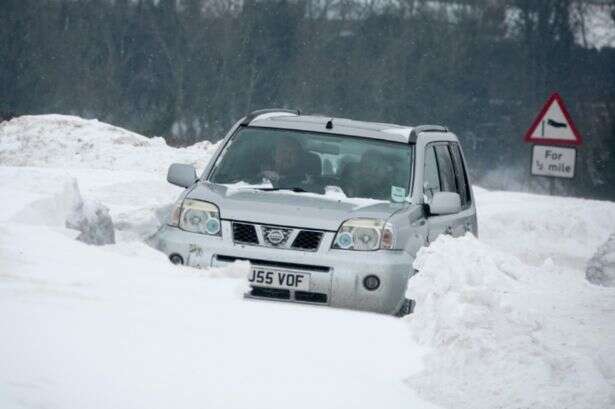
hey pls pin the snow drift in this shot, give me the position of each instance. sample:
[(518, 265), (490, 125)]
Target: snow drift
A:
[(90, 218), (71, 142), (496, 342), (115, 168), (535, 228), (66, 207)]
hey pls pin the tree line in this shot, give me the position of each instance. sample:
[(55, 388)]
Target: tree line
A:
[(187, 69)]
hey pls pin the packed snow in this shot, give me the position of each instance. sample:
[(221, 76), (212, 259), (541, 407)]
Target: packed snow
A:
[(61, 141), (504, 321), (111, 166), (506, 334), (90, 218)]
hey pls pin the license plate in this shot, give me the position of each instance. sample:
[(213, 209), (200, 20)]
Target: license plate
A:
[(269, 277)]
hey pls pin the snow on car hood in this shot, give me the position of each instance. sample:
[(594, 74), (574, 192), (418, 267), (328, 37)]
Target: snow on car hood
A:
[(287, 208)]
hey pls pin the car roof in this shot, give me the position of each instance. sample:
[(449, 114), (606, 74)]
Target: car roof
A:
[(343, 126)]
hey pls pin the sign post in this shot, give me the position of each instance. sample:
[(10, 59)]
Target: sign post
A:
[(555, 137)]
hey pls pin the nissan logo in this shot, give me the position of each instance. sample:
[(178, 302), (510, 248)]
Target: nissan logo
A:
[(275, 236)]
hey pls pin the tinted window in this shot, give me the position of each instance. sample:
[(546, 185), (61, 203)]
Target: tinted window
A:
[(445, 166), (431, 180), (460, 174)]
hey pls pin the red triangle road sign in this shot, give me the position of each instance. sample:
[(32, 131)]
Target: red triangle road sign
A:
[(553, 125)]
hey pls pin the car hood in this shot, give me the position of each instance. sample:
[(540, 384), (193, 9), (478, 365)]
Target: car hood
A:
[(287, 208)]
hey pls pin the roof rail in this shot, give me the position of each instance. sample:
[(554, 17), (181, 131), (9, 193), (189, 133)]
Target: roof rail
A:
[(254, 114), (430, 128), (425, 128)]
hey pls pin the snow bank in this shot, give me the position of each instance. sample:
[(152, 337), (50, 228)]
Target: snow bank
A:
[(463, 285), (535, 228), (496, 344), (72, 142), (90, 218), (66, 207), (119, 169), (601, 267)]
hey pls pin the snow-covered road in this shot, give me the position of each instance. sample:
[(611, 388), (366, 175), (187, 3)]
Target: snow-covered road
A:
[(507, 321), (118, 327)]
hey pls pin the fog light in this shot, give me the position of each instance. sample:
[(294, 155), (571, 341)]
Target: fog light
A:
[(371, 283), (344, 240), (212, 226), (176, 259)]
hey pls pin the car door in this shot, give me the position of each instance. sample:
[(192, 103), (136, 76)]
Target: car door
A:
[(439, 176), (467, 216)]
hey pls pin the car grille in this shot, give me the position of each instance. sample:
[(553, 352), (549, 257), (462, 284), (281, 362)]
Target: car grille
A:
[(244, 233), (278, 293), (305, 240), (283, 294), (307, 296)]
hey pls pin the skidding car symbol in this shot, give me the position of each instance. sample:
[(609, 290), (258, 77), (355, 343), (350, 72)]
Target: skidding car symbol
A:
[(556, 124), (326, 211)]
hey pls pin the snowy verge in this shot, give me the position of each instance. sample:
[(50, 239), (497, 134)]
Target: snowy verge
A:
[(114, 168), (71, 142), (119, 326), (535, 228), (496, 344)]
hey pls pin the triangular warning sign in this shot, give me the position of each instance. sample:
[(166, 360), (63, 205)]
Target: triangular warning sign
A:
[(553, 125)]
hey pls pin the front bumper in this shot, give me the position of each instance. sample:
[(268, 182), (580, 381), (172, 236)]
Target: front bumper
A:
[(336, 276)]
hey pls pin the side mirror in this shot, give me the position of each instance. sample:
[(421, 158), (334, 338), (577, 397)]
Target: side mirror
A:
[(181, 175), (443, 203)]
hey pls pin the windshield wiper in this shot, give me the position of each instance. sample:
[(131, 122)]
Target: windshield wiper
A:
[(275, 189)]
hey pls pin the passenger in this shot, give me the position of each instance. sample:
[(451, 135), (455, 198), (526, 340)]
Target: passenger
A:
[(373, 177)]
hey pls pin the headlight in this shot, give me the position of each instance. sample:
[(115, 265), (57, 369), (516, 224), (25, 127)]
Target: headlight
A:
[(364, 234), (197, 217)]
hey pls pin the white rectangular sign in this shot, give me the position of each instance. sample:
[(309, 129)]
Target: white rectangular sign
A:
[(553, 161)]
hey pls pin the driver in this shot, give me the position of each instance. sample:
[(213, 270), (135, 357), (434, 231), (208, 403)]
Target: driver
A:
[(286, 168)]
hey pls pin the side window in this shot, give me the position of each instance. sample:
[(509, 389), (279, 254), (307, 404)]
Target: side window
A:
[(462, 180), (431, 180), (445, 166)]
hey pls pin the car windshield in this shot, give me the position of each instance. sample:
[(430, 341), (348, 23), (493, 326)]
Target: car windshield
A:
[(276, 159)]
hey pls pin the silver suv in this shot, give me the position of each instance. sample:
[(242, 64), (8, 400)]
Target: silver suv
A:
[(326, 211)]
